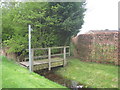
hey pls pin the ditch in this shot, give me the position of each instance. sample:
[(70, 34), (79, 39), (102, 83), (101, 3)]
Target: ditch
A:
[(51, 75)]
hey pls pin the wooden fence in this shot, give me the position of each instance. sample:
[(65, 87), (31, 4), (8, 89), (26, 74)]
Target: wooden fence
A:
[(49, 56)]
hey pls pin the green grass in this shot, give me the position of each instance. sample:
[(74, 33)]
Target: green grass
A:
[(92, 75), (0, 73), (15, 76)]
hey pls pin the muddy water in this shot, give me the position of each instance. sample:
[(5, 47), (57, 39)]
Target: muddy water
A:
[(73, 85)]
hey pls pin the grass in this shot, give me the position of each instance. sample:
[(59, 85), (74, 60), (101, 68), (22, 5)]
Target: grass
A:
[(0, 73), (92, 75), (15, 76)]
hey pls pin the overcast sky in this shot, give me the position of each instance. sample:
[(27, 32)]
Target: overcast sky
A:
[(100, 15)]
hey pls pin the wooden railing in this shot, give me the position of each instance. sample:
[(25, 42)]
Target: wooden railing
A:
[(49, 55)]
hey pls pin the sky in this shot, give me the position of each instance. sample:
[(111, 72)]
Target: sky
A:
[(100, 15)]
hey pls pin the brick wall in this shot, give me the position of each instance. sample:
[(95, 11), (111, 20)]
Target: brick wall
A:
[(97, 47), (3, 52)]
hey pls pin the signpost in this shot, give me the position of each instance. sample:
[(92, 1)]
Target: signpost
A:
[(30, 54)]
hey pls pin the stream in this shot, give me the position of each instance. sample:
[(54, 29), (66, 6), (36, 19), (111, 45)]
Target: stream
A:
[(73, 85)]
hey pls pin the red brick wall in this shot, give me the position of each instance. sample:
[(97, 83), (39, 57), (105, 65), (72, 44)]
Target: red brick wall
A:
[(3, 52), (98, 47)]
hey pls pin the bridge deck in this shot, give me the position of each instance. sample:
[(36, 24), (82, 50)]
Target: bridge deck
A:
[(44, 63)]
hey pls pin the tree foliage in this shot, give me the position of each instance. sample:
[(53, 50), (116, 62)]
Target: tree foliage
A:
[(53, 23)]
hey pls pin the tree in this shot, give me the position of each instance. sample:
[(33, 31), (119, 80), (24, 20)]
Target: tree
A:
[(53, 23), (70, 19)]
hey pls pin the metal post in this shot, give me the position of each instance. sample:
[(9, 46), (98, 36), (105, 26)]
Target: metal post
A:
[(64, 56), (30, 54)]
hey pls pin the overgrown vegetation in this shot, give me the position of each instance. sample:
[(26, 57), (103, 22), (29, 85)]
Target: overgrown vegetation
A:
[(0, 72), (53, 23), (14, 76), (91, 74), (97, 47)]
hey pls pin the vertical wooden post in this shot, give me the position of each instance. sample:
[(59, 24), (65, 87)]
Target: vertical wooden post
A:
[(49, 58), (69, 50), (32, 61), (64, 56)]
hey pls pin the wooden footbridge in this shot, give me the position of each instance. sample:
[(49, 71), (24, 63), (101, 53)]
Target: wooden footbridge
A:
[(48, 60)]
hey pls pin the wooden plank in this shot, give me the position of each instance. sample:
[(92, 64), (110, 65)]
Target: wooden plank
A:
[(35, 63), (49, 58), (39, 48), (45, 56), (69, 52), (49, 47), (59, 47), (35, 57), (57, 54), (67, 46), (32, 52), (56, 64), (57, 60), (32, 58), (25, 64), (42, 64)]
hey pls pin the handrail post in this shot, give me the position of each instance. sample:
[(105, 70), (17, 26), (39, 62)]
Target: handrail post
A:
[(64, 56), (32, 59), (69, 50), (49, 57)]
